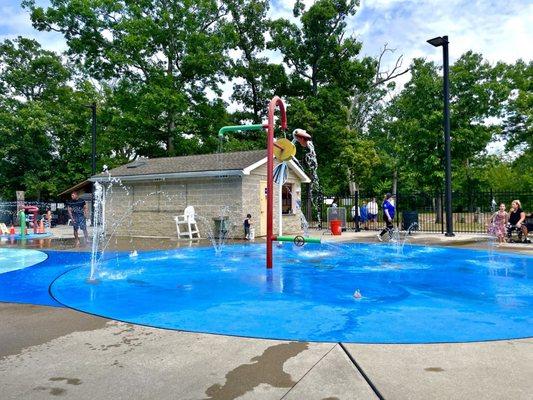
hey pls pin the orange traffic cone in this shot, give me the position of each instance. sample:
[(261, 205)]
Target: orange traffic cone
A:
[(12, 230)]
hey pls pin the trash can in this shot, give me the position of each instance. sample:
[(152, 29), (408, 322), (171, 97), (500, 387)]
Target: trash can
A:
[(221, 227), (409, 218), (336, 226)]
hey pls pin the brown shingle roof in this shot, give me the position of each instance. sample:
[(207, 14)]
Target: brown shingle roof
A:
[(238, 160)]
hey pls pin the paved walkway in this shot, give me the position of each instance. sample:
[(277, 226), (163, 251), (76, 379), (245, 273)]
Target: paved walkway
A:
[(63, 239), (51, 352), (54, 352)]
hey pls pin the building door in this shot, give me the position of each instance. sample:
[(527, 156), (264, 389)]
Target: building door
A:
[(263, 204)]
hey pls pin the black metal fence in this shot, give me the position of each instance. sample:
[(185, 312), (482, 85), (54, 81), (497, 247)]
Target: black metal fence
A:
[(8, 211), (471, 211)]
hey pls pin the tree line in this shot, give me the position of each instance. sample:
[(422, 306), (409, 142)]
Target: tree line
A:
[(158, 69)]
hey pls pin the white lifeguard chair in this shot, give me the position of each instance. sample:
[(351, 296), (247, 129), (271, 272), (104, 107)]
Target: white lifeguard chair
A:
[(186, 224)]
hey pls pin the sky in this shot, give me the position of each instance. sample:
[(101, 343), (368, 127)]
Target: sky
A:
[(500, 30)]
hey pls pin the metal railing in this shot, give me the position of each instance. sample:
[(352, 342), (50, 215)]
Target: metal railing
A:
[(472, 211)]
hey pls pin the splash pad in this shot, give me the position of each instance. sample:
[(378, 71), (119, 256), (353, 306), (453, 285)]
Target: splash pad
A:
[(424, 295), (317, 292)]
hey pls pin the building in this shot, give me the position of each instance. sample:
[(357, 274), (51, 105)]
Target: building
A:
[(150, 192)]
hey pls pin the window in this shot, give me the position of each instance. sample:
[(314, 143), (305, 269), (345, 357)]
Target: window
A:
[(286, 199)]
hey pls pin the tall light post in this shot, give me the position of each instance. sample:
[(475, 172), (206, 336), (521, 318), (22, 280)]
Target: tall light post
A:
[(92, 106), (437, 42)]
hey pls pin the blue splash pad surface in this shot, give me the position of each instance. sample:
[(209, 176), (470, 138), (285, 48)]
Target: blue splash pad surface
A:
[(420, 295), (30, 284), (16, 259)]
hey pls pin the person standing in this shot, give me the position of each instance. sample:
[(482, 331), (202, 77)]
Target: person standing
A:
[(498, 223), (247, 226), (363, 216), (78, 213), (388, 216), (372, 209)]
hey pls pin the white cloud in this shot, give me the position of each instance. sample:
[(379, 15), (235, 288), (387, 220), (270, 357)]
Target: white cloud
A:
[(496, 30), (16, 22)]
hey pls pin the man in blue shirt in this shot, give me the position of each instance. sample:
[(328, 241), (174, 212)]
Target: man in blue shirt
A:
[(388, 216), (78, 213)]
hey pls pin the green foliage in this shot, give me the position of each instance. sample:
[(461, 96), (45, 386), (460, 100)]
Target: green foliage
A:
[(518, 125), (324, 70), (249, 26), (157, 70), (411, 129), (164, 54), (360, 158)]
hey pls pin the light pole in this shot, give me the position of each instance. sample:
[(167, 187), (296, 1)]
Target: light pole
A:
[(93, 138), (437, 42), (92, 106)]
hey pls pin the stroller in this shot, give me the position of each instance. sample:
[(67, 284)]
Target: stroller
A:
[(519, 235)]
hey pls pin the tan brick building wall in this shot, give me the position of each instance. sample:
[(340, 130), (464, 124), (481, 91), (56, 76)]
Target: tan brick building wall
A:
[(148, 208)]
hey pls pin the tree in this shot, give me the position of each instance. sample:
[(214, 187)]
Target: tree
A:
[(28, 71), (44, 141), (168, 52), (368, 101), (323, 70), (413, 121), (518, 121), (249, 24)]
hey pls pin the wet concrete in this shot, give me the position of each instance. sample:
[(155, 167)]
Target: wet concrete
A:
[(123, 361), (265, 369), (24, 325), (51, 352), (64, 240)]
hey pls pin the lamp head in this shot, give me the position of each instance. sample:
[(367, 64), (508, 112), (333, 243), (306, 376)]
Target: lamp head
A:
[(438, 41)]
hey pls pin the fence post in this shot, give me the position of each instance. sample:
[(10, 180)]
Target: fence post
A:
[(356, 204), (441, 213), (397, 210), (320, 209)]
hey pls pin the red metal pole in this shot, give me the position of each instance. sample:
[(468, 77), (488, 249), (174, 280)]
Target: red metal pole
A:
[(275, 102)]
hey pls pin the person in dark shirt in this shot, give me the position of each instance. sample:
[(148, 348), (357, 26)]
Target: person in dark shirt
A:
[(388, 216), (78, 213), (516, 221), (247, 224)]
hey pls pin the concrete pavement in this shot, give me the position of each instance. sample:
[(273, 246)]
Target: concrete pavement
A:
[(55, 352), (48, 352)]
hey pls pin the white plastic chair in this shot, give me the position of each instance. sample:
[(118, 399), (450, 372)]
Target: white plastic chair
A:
[(186, 224)]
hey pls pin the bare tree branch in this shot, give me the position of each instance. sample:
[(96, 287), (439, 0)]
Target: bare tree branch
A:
[(361, 112)]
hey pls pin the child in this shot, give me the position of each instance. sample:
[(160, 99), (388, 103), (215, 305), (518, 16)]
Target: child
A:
[(247, 224), (498, 223)]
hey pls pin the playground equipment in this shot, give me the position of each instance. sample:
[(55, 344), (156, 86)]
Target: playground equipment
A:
[(22, 216), (38, 226), (22, 223), (284, 150), (297, 240)]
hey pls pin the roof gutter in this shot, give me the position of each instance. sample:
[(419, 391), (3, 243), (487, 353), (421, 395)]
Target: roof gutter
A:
[(175, 175)]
